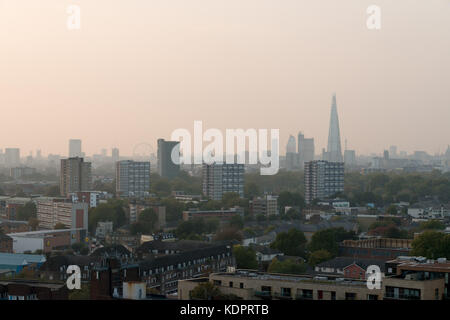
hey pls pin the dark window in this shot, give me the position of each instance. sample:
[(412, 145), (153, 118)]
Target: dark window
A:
[(350, 296), (231, 284), (333, 295), (319, 294), (241, 285)]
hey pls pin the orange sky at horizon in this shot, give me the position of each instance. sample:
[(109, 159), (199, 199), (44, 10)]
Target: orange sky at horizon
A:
[(139, 69)]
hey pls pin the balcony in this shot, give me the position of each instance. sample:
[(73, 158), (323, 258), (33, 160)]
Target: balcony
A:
[(283, 296), (391, 296), (267, 295)]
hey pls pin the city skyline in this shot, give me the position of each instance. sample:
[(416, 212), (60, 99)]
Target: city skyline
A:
[(275, 66)]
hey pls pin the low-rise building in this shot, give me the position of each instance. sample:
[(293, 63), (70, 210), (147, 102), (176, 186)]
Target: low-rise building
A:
[(251, 285), (223, 214), (375, 248), (13, 226), (162, 273), (46, 240), (17, 262), (6, 244), (267, 205), (421, 268), (60, 211), (103, 228), (33, 290), (348, 267)]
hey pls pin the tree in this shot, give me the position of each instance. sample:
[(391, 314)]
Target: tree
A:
[(52, 191), (205, 291), (187, 229), (251, 190), (237, 221), (291, 243), (59, 226), (148, 218), (83, 294), (431, 244), (27, 211), (432, 225), (162, 187), (232, 199), (292, 199), (111, 211), (392, 209), (33, 223), (329, 239), (319, 256), (245, 257), (229, 233), (288, 266), (211, 225), (79, 246)]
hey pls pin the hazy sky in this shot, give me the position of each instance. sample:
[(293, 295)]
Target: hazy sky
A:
[(138, 69)]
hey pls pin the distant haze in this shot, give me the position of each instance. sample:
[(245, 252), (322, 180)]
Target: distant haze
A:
[(139, 69)]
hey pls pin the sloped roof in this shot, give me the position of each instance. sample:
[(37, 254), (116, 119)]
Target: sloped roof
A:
[(54, 263), (20, 259), (342, 262), (111, 250)]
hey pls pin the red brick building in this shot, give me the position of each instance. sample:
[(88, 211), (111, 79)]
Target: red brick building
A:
[(6, 244)]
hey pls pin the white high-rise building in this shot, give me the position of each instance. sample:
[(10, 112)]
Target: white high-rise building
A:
[(75, 176), (219, 179), (291, 153), (115, 155), (133, 179), (305, 149), (323, 179), (75, 148), (12, 157)]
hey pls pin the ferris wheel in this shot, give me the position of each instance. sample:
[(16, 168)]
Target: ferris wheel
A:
[(143, 151)]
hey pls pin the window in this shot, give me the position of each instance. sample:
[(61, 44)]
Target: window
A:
[(333, 295), (436, 293), (319, 295), (231, 284), (241, 285), (266, 289), (350, 296)]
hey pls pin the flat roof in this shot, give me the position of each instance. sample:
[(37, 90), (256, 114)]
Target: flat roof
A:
[(291, 278), (40, 233)]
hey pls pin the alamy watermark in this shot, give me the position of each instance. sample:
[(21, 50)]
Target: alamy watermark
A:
[(74, 280), (235, 147), (373, 277)]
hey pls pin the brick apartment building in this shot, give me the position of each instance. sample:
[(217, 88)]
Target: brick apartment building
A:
[(377, 248), (32, 290), (71, 215), (6, 244), (251, 285), (222, 215)]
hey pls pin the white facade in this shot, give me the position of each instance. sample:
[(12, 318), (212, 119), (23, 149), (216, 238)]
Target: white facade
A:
[(22, 244)]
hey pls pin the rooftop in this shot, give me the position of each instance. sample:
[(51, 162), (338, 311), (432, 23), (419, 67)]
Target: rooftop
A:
[(16, 259), (253, 275), (40, 233)]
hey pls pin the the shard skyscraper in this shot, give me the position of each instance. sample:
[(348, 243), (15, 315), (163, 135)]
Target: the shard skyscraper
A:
[(334, 153)]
